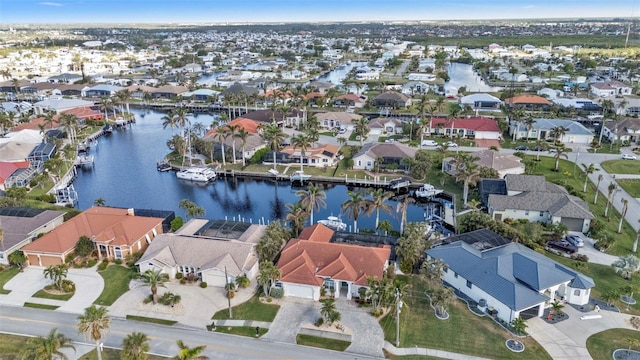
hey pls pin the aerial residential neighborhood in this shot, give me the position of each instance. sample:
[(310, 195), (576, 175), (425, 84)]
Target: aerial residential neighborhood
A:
[(436, 189)]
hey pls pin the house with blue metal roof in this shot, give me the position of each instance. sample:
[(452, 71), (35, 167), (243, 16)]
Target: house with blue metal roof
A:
[(513, 280), (541, 130)]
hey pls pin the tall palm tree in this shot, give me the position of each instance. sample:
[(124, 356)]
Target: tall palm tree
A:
[(468, 172), (588, 169), (267, 275), (611, 189), (354, 206), (623, 213), (402, 208), (243, 135), (557, 132), (297, 215), (94, 322), (169, 120), (274, 136), (188, 353), (561, 151), (303, 142), (69, 122), (312, 199), (49, 119), (528, 122), (361, 128), (135, 347), (154, 278), (182, 119), (233, 134), (379, 198), (595, 198), (47, 348), (221, 135)]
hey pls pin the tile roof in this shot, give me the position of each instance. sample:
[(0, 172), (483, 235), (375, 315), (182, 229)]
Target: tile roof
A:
[(513, 274), (496, 160), (381, 122), (528, 99), (309, 262), (170, 89), (317, 232), (343, 117), (112, 226)]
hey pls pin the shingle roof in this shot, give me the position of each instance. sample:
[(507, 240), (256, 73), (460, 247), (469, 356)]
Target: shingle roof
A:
[(18, 228), (513, 274), (475, 124), (496, 160), (557, 204), (393, 150), (525, 182)]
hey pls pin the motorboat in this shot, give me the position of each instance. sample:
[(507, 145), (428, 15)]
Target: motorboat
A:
[(163, 166), (108, 129), (334, 223), (200, 174), (299, 176), (427, 191)]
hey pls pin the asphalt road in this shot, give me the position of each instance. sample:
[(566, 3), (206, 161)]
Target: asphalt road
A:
[(35, 322)]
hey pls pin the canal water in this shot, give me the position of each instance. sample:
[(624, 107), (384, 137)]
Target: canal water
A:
[(124, 175), (464, 75)]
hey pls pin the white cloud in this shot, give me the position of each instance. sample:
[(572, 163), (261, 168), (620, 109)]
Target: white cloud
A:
[(48, 3)]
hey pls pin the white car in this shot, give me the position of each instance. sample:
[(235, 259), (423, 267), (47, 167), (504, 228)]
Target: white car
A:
[(629, 157), (451, 144)]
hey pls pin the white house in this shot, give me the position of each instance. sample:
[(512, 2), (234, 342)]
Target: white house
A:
[(510, 279), (610, 88), (541, 130)]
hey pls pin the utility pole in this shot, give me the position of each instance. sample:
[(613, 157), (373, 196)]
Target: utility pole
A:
[(226, 277), (398, 306)]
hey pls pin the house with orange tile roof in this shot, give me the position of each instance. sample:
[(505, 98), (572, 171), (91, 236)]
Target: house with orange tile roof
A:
[(319, 156), (529, 102), (115, 232), (86, 113), (311, 262)]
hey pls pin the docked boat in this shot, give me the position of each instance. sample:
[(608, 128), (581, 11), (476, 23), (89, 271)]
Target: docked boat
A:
[(108, 129), (299, 176), (163, 166), (83, 160), (427, 191), (334, 223), (200, 174)]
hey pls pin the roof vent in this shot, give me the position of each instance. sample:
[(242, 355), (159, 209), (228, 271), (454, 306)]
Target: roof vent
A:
[(130, 211)]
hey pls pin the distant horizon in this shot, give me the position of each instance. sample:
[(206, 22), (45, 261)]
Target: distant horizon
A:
[(220, 12)]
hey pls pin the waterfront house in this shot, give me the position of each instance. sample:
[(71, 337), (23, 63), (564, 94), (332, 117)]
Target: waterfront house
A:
[(214, 251), (506, 279), (9, 171), (321, 156), (240, 89), (57, 105), (528, 102), (337, 119), (168, 92), (292, 117), (311, 261), (481, 102), (504, 164), (350, 100), (412, 88), (23, 225), (115, 232), (541, 130), (42, 152), (71, 89), (102, 90), (392, 99), (86, 113), (532, 198), (386, 154)]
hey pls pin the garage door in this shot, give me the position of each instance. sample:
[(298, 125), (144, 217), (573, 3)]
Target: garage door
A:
[(301, 291), (573, 224), (214, 278)]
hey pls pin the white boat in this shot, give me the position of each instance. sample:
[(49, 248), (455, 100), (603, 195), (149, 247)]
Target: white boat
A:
[(299, 176), (333, 222), (427, 191), (201, 174)]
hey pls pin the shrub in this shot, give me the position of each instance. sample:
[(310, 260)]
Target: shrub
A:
[(376, 312), (580, 257), (68, 286), (319, 321), (103, 265), (176, 223), (183, 281), (118, 261), (148, 299), (131, 259), (269, 300), (203, 284), (179, 275), (277, 292), (231, 294)]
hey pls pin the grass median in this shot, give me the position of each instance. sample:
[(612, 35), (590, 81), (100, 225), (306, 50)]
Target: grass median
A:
[(320, 342)]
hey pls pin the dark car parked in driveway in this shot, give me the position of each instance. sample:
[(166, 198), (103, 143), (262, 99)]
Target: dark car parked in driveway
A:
[(562, 247)]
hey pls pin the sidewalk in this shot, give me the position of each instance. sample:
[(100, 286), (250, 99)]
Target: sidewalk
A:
[(428, 352), (249, 323)]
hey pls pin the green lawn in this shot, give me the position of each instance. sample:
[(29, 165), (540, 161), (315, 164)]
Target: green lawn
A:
[(388, 355), (566, 177), (620, 166), (605, 278), (320, 342), (632, 186), (43, 294), (151, 320), (463, 332), (602, 344), (113, 354), (116, 282), (6, 275), (248, 331), (250, 310), (40, 306)]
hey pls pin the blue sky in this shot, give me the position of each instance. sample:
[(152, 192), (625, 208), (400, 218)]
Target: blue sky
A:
[(163, 11)]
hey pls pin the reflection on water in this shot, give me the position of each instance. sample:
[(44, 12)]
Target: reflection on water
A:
[(125, 175), (463, 75)]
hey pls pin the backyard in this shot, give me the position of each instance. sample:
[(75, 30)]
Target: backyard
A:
[(602, 344), (463, 332)]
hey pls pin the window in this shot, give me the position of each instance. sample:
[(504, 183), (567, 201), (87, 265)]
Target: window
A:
[(469, 284), (148, 238), (359, 163), (541, 213), (455, 274), (155, 233), (576, 292), (117, 252), (526, 213)]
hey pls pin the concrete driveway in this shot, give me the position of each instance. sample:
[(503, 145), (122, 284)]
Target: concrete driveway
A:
[(24, 285), (89, 285), (595, 256), (568, 339)]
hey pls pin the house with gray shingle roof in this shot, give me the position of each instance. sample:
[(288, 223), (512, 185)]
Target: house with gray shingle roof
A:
[(206, 248), (541, 130), (388, 153), (532, 198), (514, 280)]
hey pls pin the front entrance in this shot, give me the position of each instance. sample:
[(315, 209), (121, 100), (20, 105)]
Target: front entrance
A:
[(344, 289)]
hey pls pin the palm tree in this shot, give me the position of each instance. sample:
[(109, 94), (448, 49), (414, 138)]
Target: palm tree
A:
[(379, 202), (328, 307), (222, 133), (99, 202), (590, 169), (561, 151), (312, 199), (47, 348), (611, 190), (57, 274), (600, 177), (135, 346), (625, 207), (519, 325), (402, 208), (297, 215), (243, 135), (169, 120), (303, 142), (154, 278), (274, 136), (354, 206), (528, 122), (468, 172), (557, 132), (361, 128), (187, 353), (267, 275), (49, 119), (69, 123), (233, 133), (94, 322)]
